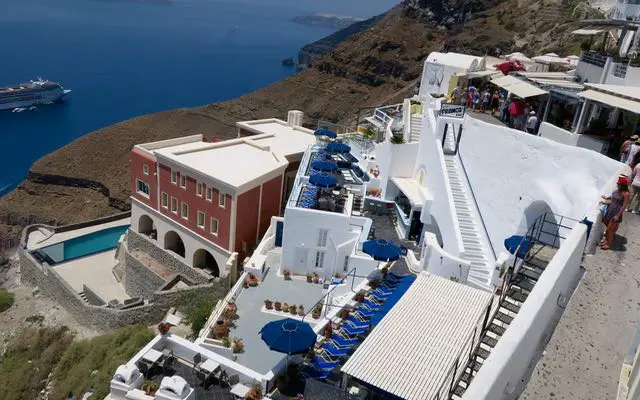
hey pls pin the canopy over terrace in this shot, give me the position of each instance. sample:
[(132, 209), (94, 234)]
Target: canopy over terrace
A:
[(411, 352), (518, 87)]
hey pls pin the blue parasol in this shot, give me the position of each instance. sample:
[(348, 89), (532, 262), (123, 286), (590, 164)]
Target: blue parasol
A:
[(512, 243), (325, 132), (382, 250), (338, 147), (324, 166), (288, 336), (323, 180)]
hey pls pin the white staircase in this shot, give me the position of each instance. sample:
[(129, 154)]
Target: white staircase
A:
[(416, 127), (477, 248)]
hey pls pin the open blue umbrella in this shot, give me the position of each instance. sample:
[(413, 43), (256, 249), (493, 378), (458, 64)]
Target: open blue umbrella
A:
[(382, 250), (323, 180), (325, 132), (338, 147), (511, 243), (288, 336), (324, 166)]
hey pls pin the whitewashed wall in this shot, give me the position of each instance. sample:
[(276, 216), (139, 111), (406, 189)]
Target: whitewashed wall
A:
[(559, 135), (438, 262), (506, 372), (516, 177)]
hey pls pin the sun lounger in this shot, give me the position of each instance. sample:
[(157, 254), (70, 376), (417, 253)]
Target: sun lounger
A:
[(365, 312), (312, 373), (352, 330), (335, 351), (320, 364), (371, 304), (340, 341), (356, 321), (379, 297)]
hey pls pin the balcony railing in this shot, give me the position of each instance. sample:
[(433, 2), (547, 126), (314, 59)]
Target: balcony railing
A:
[(593, 58), (385, 114)]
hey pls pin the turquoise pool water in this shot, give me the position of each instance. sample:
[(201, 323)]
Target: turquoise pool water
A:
[(82, 246)]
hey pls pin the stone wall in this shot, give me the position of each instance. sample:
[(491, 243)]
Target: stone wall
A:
[(140, 281), (172, 262), (92, 297), (103, 318)]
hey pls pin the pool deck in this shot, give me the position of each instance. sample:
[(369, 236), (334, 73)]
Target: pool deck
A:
[(42, 238), (96, 272)]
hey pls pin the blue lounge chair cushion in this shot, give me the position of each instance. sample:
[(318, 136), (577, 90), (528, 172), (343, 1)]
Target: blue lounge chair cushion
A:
[(334, 350), (352, 330), (356, 322), (319, 363), (312, 373), (342, 342)]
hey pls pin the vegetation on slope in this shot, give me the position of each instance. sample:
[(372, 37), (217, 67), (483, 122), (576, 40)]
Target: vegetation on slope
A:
[(6, 300), (36, 356)]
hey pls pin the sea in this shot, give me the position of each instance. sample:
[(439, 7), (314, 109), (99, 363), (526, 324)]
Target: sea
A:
[(124, 58)]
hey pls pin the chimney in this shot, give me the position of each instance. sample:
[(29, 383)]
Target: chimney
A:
[(294, 118)]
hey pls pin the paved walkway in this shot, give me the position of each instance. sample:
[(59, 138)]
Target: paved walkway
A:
[(585, 354)]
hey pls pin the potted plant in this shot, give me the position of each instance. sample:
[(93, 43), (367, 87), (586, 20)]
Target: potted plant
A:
[(301, 310), (285, 307), (328, 331), (317, 311), (374, 283), (360, 296), (226, 342), (315, 278), (220, 329), (149, 387), (237, 345), (344, 313), (309, 278), (268, 304), (255, 393), (163, 328), (229, 313), (231, 308), (293, 309), (277, 305), (287, 275), (253, 280)]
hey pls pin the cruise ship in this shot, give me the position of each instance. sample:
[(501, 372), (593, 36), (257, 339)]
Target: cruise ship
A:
[(31, 93)]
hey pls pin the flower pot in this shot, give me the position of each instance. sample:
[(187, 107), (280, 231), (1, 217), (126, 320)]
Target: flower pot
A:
[(220, 329), (293, 309), (315, 314), (245, 285), (277, 305), (328, 331), (309, 278), (301, 311), (315, 279), (344, 313), (268, 304)]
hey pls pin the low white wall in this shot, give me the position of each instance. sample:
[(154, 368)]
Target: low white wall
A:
[(438, 262), (559, 135), (505, 374), (589, 72), (516, 177)]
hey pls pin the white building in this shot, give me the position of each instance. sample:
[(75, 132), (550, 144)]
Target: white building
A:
[(442, 70)]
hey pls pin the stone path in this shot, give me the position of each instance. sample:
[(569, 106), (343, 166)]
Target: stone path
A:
[(585, 354)]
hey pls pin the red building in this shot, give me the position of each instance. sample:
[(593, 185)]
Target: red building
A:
[(206, 200)]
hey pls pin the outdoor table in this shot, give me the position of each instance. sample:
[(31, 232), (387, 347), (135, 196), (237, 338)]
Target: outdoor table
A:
[(239, 390), (152, 356), (209, 366)]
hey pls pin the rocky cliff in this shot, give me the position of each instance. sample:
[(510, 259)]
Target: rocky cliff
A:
[(90, 177)]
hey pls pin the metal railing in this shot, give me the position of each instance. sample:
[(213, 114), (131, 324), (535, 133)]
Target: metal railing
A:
[(465, 355), (326, 305), (593, 58), (384, 114)]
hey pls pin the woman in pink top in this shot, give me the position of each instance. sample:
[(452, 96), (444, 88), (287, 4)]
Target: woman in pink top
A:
[(635, 188)]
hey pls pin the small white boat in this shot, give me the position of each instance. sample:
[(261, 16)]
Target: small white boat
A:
[(32, 108), (18, 109)]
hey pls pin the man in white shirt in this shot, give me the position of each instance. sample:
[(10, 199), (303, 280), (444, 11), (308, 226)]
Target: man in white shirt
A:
[(635, 146), (532, 123)]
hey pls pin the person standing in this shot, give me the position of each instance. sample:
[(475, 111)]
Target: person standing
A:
[(635, 189), (532, 123), (616, 204), (486, 100), (505, 110), (626, 146), (635, 147)]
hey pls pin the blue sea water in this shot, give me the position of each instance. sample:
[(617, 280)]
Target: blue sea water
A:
[(123, 58)]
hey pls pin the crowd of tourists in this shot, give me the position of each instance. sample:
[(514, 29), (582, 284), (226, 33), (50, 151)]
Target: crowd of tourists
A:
[(512, 111), (626, 194)]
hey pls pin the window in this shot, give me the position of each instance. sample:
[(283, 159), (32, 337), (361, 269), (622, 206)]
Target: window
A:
[(165, 200), (145, 169), (214, 226), (174, 205), (322, 237), (319, 259), (199, 189), (200, 219), (346, 264), (209, 194), (185, 210), (183, 181), (174, 177), (143, 188), (222, 200)]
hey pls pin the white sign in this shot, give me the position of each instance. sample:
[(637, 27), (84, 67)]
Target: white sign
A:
[(452, 110)]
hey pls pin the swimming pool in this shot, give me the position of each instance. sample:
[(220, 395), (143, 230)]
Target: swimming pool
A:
[(82, 246)]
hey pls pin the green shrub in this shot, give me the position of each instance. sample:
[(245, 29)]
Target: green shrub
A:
[(6, 300), (198, 315), (103, 354)]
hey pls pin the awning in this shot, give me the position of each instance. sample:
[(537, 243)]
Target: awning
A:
[(613, 101), (588, 31), (482, 74), (416, 194), (518, 87)]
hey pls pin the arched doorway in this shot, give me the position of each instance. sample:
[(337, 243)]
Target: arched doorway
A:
[(146, 226), (173, 242), (205, 260)]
